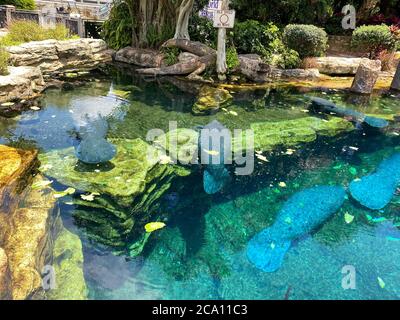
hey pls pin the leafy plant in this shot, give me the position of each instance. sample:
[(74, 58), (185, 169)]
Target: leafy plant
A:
[(232, 59), (20, 4), (373, 39), (202, 30), (307, 40), (25, 31), (4, 56), (117, 29), (171, 55), (251, 36)]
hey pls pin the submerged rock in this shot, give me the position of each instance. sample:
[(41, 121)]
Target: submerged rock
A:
[(211, 99), (301, 214), (376, 190)]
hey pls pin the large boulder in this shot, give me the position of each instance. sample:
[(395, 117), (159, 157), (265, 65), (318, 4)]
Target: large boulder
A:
[(58, 56), (366, 76), (140, 57), (396, 80), (124, 191), (337, 65), (20, 83)]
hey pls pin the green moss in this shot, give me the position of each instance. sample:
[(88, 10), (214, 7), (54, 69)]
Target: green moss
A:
[(68, 266), (211, 99)]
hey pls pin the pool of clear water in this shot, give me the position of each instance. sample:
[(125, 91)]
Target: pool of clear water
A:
[(201, 253)]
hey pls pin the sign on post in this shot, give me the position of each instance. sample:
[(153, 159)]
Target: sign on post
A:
[(209, 10), (224, 19)]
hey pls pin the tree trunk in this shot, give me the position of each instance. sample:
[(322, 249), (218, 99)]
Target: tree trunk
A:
[(182, 23), (195, 47)]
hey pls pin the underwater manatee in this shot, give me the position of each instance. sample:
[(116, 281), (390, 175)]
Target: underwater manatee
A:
[(93, 147), (375, 191), (215, 175), (301, 214), (326, 106)]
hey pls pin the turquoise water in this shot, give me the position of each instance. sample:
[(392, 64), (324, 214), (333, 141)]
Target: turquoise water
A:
[(201, 253)]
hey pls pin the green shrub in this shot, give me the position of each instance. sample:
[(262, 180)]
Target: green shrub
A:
[(4, 56), (232, 59), (373, 39), (251, 36), (288, 59), (20, 4), (202, 29), (171, 55), (117, 29), (307, 40), (25, 31)]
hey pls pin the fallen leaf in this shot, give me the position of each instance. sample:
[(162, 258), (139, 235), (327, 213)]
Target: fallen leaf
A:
[(41, 184), (381, 283), (153, 226), (34, 108), (88, 197), (290, 151), (348, 218), (282, 184)]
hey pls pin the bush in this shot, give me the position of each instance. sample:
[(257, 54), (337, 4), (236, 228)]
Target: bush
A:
[(20, 4), (25, 31), (373, 39), (117, 29), (307, 40), (202, 29), (251, 36), (4, 56), (232, 59)]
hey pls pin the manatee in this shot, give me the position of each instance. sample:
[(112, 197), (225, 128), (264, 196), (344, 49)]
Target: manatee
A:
[(326, 106), (375, 191), (93, 147), (215, 147), (301, 214)]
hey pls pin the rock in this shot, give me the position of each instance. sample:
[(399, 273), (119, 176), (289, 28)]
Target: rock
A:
[(54, 56), (337, 65), (366, 76), (21, 83), (140, 57), (125, 190), (68, 267), (211, 99), (5, 276), (396, 80), (256, 70), (186, 57), (294, 74)]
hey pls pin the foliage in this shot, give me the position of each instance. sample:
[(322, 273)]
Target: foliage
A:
[(307, 40), (171, 55), (4, 56), (20, 4), (251, 36), (288, 59), (117, 29), (232, 59), (24, 31), (202, 29), (373, 39)]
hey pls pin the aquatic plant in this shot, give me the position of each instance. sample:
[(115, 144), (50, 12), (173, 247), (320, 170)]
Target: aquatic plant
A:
[(301, 214)]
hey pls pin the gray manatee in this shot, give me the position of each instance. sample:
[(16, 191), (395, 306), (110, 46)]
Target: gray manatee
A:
[(301, 214), (215, 148)]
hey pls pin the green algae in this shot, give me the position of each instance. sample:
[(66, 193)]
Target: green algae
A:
[(211, 99), (68, 267)]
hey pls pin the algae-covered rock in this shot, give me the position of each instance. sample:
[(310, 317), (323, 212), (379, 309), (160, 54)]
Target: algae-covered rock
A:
[(211, 99), (68, 267), (124, 192), (287, 133)]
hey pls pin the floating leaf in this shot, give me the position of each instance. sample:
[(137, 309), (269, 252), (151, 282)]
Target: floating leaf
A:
[(211, 152), (290, 151), (282, 184), (348, 218), (261, 157), (88, 197), (381, 283), (41, 184), (66, 192), (353, 171), (153, 226), (234, 113), (34, 108)]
